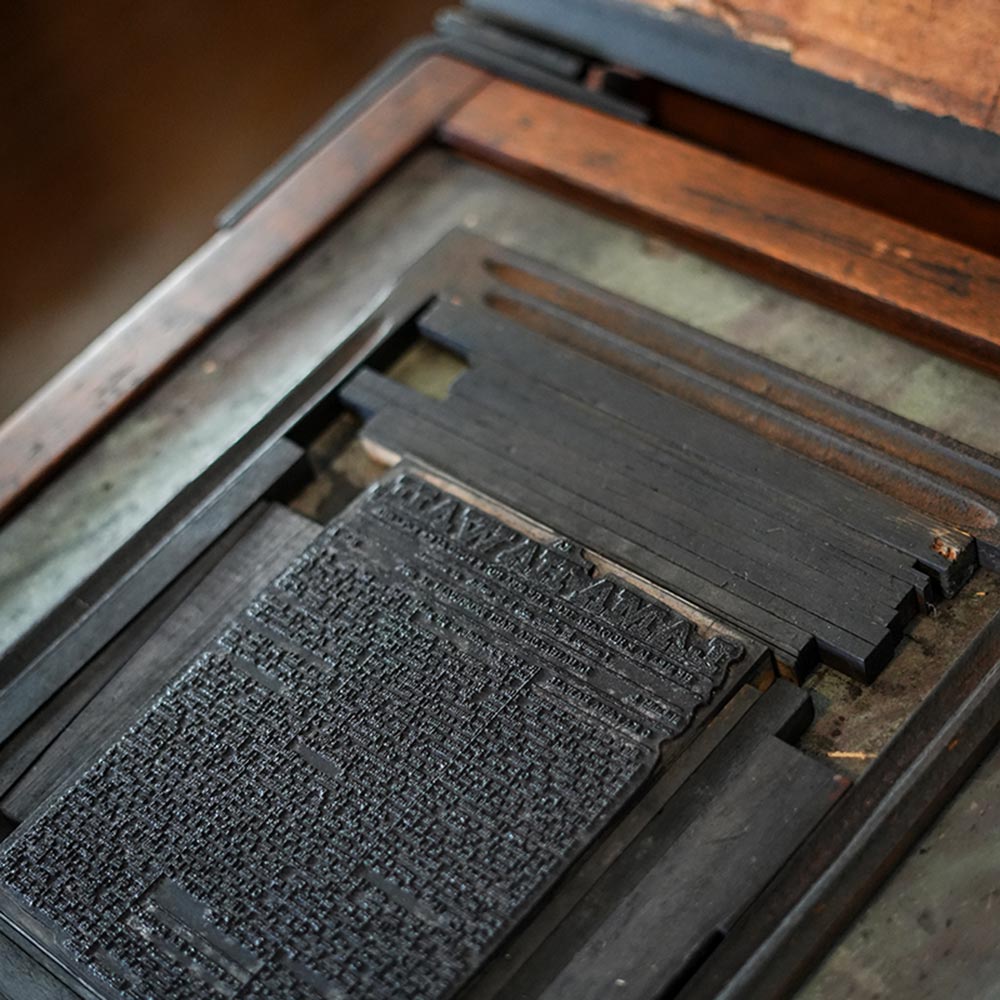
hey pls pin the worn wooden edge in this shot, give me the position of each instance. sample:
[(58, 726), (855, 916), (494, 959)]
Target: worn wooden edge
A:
[(151, 337), (727, 52), (936, 292)]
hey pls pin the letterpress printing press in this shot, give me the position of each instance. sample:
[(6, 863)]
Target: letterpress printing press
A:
[(544, 545)]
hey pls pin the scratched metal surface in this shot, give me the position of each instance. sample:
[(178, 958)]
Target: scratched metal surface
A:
[(230, 381)]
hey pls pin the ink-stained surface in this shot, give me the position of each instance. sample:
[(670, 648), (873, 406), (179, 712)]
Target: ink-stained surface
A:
[(371, 774)]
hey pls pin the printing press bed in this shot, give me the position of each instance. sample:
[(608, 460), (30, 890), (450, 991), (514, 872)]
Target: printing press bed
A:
[(535, 549)]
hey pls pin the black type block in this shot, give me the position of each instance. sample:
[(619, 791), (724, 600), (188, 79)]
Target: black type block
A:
[(267, 546), (372, 774)]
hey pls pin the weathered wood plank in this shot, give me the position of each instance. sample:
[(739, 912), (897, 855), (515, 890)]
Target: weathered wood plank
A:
[(416, 751), (921, 286)]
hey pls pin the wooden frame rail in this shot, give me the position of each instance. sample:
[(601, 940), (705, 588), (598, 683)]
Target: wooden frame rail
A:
[(923, 287), (149, 339)]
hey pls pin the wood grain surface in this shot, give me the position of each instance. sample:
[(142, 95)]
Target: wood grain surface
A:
[(921, 286), (878, 185), (152, 336), (936, 55)]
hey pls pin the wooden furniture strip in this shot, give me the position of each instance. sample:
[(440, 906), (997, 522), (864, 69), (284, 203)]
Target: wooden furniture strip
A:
[(921, 286), (154, 334), (927, 471), (531, 434)]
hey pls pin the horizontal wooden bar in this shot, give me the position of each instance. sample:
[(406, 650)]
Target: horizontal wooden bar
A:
[(921, 286), (696, 494), (478, 333), (140, 347)]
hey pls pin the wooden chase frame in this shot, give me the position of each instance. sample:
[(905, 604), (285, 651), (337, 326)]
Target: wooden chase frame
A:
[(921, 286)]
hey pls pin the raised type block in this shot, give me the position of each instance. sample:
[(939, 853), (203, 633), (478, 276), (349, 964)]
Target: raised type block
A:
[(373, 772)]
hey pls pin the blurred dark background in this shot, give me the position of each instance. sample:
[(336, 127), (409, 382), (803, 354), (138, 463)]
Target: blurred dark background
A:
[(127, 125)]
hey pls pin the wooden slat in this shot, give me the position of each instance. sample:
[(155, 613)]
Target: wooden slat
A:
[(674, 892), (648, 411), (921, 286), (153, 335), (697, 492)]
